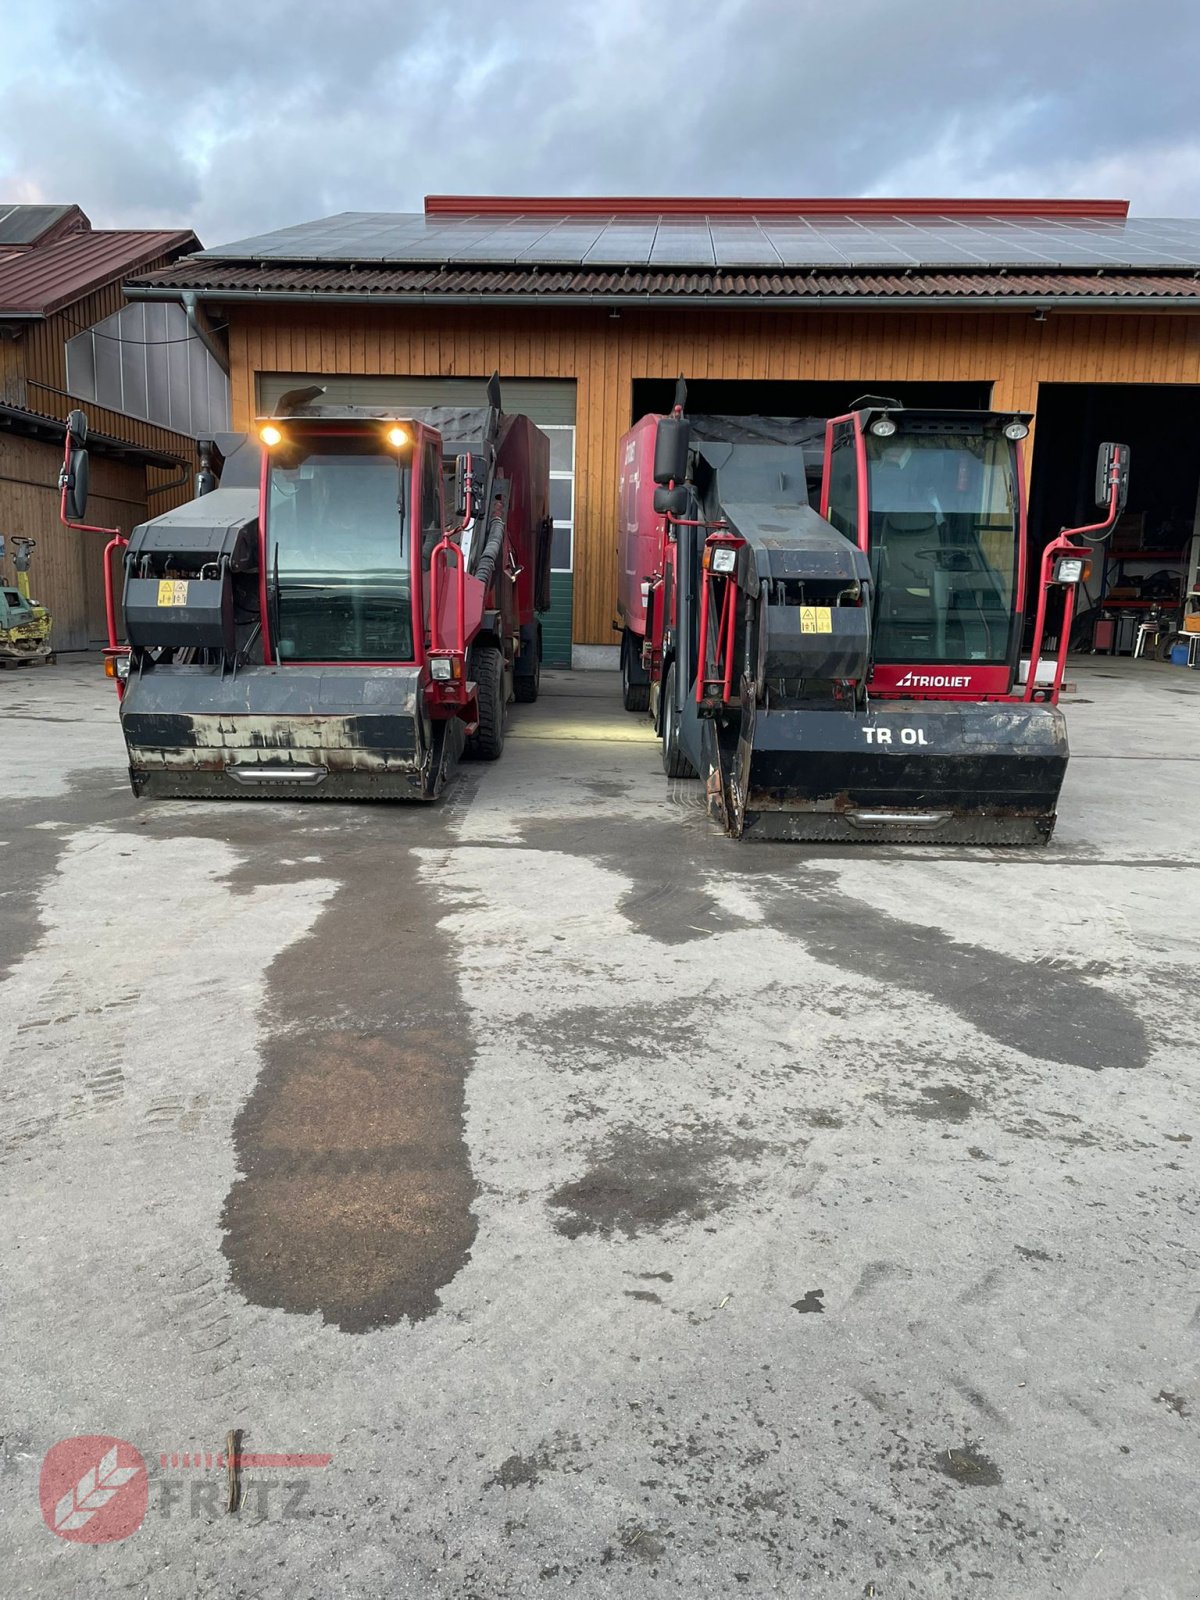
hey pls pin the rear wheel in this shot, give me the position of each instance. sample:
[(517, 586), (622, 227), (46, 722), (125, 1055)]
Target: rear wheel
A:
[(634, 696), (487, 668), (675, 763), (527, 687)]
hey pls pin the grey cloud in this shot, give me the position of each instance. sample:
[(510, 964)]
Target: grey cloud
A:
[(237, 118)]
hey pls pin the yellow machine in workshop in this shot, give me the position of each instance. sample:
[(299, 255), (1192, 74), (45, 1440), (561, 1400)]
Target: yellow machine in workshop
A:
[(24, 624)]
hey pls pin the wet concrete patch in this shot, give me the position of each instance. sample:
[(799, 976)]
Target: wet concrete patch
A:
[(667, 900), (1177, 1403), (557, 1454), (945, 1103), (810, 1301), (32, 851), (1045, 1012), (356, 1190), (593, 1038), (639, 1182), (968, 1467), (518, 1472)]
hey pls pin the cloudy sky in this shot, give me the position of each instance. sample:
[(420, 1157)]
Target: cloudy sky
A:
[(236, 116)]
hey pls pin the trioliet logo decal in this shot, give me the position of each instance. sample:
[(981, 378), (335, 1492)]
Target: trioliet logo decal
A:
[(934, 680)]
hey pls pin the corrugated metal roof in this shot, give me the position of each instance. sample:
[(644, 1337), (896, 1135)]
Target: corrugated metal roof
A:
[(39, 425), (36, 282), (278, 279)]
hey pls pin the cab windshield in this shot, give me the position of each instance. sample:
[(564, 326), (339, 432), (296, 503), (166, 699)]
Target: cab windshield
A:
[(337, 552), (944, 530)]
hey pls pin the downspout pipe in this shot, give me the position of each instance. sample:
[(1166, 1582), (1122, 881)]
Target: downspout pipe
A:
[(190, 303)]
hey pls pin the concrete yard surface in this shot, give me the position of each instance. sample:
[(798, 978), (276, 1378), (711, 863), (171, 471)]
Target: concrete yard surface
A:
[(620, 1209)]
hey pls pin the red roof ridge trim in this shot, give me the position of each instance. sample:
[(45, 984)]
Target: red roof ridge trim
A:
[(690, 206)]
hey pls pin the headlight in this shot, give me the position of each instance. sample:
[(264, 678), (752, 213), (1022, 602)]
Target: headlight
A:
[(723, 558), (441, 668), (883, 427), (1016, 429), (1069, 569)]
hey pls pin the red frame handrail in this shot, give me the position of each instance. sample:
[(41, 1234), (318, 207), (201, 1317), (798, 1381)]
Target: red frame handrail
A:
[(117, 541), (1064, 545), (726, 624), (438, 561)]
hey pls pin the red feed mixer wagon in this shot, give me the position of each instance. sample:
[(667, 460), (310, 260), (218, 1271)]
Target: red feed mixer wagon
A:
[(345, 608), (857, 673)]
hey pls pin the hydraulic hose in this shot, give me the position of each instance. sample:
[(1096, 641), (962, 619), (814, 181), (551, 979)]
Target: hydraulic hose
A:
[(486, 566)]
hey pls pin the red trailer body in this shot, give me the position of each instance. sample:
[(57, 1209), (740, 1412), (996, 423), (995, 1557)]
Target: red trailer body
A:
[(642, 552), (640, 538)]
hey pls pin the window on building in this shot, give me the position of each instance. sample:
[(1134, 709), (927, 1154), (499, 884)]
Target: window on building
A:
[(562, 495), (144, 361)]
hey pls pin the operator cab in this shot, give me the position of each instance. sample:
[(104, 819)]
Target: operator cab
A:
[(935, 501), (339, 538)]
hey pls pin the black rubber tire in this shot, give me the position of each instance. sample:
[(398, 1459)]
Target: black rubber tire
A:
[(675, 763), (634, 696), (527, 689), (487, 668)]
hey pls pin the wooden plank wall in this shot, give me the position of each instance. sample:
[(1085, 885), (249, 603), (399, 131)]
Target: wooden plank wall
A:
[(605, 354), (67, 571)]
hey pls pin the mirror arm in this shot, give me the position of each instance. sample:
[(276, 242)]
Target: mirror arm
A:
[(1100, 531), (64, 485)]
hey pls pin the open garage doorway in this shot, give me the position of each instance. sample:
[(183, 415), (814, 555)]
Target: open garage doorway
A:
[(771, 397), (1146, 568)]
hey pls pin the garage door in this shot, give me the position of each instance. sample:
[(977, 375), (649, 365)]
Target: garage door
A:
[(550, 404)]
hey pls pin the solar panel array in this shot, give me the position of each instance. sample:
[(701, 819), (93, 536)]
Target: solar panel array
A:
[(729, 242), (26, 224)]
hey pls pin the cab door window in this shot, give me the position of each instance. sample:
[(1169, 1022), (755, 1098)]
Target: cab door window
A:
[(843, 481)]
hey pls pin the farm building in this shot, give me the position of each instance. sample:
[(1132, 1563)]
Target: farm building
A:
[(590, 308)]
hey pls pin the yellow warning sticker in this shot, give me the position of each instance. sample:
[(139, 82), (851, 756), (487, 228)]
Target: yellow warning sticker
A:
[(172, 591), (815, 619)]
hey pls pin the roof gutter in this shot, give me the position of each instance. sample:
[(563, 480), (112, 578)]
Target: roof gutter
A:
[(758, 302)]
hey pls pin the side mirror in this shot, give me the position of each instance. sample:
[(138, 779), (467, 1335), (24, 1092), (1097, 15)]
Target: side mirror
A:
[(671, 443), (460, 485), (1108, 456), (77, 482), (672, 502), (77, 428)]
